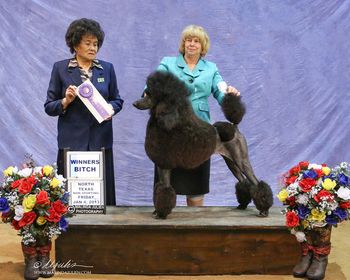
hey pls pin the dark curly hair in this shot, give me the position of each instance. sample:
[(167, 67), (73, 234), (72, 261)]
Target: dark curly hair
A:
[(80, 27)]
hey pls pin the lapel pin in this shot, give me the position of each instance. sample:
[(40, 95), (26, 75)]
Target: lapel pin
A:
[(100, 80)]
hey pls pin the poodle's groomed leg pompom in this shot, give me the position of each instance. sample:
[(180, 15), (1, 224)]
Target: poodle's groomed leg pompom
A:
[(243, 194), (164, 200), (263, 198)]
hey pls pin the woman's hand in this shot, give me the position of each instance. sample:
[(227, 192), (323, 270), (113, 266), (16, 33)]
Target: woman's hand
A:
[(232, 90), (69, 96)]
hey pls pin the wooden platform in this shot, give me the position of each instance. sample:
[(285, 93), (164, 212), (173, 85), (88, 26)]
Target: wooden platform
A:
[(192, 241)]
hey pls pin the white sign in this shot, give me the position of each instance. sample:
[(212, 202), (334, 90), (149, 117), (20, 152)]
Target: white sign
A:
[(85, 176), (86, 192), (83, 165)]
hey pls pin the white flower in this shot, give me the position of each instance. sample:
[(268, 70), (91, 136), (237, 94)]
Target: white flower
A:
[(300, 236), (314, 191), (25, 172), (333, 205), (37, 170), (19, 211), (15, 170), (314, 166), (293, 189), (302, 199), (343, 193), (61, 179)]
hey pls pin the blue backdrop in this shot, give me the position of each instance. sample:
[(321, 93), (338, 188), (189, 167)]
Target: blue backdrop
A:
[(290, 60)]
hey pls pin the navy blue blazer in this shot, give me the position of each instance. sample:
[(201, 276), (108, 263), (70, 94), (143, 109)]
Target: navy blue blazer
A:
[(77, 127)]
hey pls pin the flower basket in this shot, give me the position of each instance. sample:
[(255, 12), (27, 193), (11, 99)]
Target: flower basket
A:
[(317, 198), (34, 201)]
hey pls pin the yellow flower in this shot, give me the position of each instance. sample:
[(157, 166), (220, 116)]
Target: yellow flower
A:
[(8, 171), (305, 223), (29, 202), (41, 220), (47, 169), (317, 215), (326, 170), (283, 195), (55, 182), (329, 184)]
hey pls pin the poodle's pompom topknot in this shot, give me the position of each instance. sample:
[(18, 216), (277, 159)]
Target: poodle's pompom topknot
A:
[(233, 108)]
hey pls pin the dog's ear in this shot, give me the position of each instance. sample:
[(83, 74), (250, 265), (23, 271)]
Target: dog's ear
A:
[(166, 118)]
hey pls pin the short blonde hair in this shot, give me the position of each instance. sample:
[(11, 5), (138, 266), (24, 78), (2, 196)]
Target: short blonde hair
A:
[(195, 31)]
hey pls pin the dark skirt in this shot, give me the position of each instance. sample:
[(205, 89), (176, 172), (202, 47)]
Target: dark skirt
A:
[(189, 181), (109, 166)]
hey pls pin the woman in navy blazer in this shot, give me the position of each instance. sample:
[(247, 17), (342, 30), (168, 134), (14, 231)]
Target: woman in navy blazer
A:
[(203, 79), (78, 129)]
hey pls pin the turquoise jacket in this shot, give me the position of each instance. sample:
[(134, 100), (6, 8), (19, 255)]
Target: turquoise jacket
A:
[(202, 81)]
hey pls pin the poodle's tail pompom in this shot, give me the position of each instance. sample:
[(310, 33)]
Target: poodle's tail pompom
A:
[(164, 200), (243, 194), (233, 108), (263, 198)]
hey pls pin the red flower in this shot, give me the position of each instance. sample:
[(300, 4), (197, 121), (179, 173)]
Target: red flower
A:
[(323, 195), (15, 225), (294, 170), (42, 198), (27, 219), (303, 165), (292, 219), (16, 183), (59, 207), (27, 185), (306, 184), (54, 216), (291, 201), (345, 204), (290, 180), (319, 173)]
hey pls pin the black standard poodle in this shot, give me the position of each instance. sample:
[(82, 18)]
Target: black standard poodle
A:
[(176, 137)]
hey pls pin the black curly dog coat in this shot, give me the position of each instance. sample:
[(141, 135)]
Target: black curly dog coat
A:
[(176, 137)]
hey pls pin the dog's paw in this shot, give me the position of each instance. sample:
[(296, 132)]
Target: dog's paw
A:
[(242, 207), (160, 216), (263, 214)]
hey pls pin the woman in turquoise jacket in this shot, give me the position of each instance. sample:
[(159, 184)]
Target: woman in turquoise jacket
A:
[(203, 79)]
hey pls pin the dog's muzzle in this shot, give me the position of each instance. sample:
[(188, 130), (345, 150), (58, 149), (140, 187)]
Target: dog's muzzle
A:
[(143, 104)]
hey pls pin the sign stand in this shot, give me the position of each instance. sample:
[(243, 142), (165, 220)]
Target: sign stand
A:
[(86, 173)]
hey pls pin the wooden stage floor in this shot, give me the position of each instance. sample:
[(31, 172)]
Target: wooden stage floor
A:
[(191, 241)]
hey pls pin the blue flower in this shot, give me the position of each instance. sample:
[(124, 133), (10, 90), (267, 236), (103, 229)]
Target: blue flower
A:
[(342, 214), (303, 211), (63, 224), (4, 206), (330, 176), (343, 180), (331, 220), (65, 198), (310, 174)]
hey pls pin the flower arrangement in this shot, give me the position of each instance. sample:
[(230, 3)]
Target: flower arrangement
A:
[(34, 201), (315, 196)]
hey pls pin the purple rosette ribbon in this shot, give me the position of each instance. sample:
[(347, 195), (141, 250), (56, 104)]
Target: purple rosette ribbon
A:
[(86, 91)]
